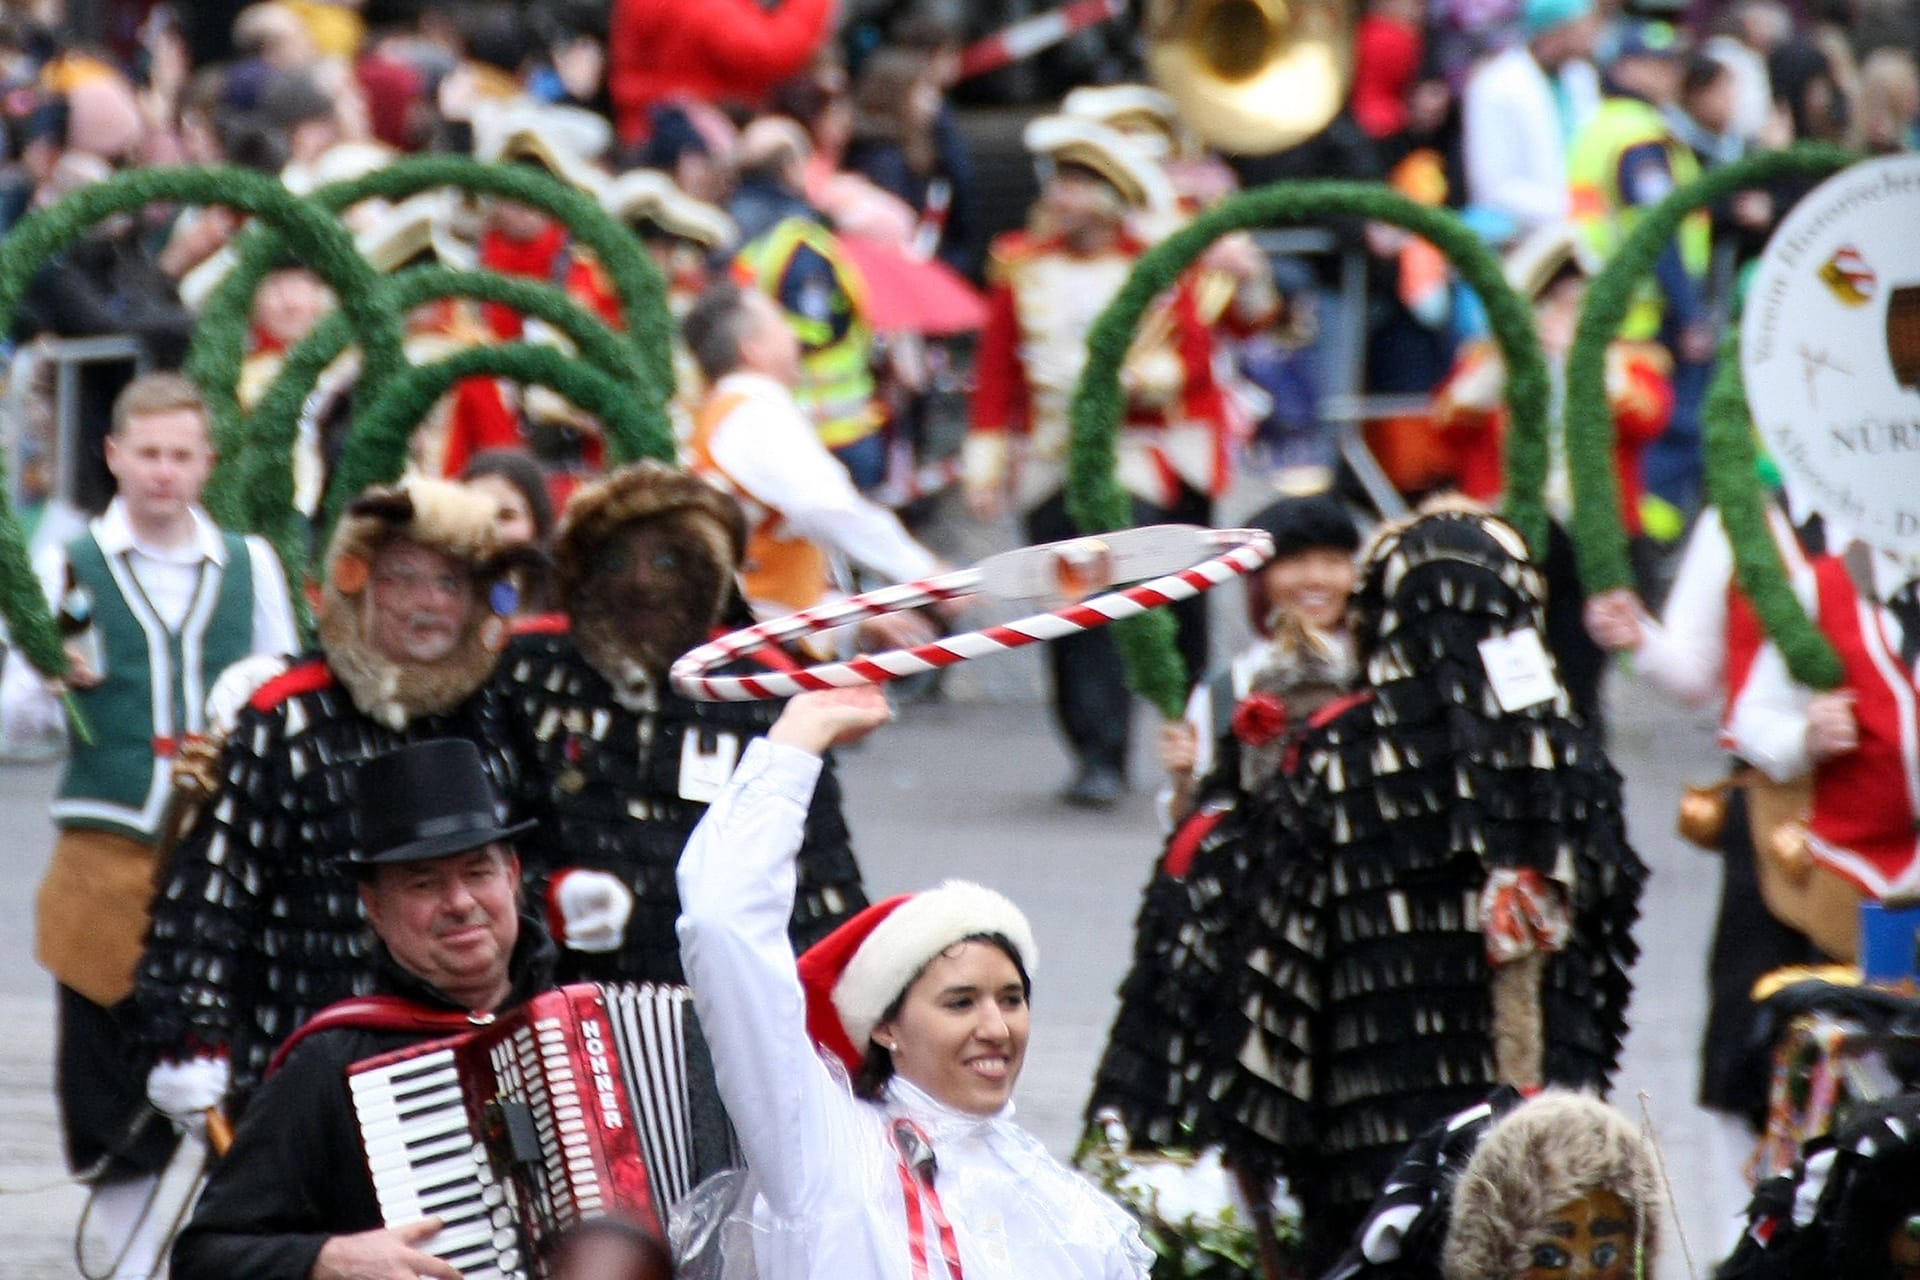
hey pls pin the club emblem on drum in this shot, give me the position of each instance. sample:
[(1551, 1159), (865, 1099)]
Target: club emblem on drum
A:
[(1830, 353), (1849, 276)]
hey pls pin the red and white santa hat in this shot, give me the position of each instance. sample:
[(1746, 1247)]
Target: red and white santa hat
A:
[(852, 975)]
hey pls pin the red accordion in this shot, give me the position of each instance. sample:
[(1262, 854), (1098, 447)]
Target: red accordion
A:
[(585, 1101)]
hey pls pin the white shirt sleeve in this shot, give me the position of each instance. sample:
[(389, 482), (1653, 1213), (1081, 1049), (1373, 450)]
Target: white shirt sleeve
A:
[(1515, 161), (1685, 652), (29, 710), (737, 882), (1768, 724), (274, 631), (772, 452)]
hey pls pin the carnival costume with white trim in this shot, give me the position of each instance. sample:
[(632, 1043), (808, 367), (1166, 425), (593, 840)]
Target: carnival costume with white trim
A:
[(258, 925), (836, 1197), (1043, 300), (1448, 894), (623, 763)]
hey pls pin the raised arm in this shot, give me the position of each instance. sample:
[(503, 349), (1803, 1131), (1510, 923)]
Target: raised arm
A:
[(737, 881)]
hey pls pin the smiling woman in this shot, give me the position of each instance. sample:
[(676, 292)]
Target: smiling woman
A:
[(871, 1082)]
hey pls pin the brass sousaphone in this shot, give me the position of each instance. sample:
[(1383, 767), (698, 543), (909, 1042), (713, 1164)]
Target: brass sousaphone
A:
[(1252, 76)]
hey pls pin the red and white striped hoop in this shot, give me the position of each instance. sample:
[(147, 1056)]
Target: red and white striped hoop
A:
[(1242, 551)]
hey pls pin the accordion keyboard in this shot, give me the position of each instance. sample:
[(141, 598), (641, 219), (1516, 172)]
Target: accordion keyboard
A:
[(585, 1101), (425, 1163)]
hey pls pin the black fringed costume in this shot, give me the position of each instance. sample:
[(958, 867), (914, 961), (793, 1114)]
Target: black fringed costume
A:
[(1843, 1210), (1185, 938), (645, 564), (258, 924), (611, 777), (1362, 1007)]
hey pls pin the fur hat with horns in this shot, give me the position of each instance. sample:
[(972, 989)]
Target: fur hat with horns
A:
[(442, 516)]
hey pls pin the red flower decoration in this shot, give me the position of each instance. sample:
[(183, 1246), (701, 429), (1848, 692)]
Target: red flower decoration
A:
[(1259, 719)]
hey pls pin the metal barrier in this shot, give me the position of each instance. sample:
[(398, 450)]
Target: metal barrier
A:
[(66, 358), (1344, 403)]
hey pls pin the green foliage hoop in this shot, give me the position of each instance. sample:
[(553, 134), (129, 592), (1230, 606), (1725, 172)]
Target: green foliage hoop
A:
[(1599, 537), (220, 344), (310, 232), (376, 450), (1733, 486), (1094, 496), (263, 472)]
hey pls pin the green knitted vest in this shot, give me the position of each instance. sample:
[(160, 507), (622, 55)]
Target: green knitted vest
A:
[(155, 688)]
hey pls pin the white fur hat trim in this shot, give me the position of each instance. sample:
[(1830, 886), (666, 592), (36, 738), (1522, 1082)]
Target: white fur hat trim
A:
[(908, 939)]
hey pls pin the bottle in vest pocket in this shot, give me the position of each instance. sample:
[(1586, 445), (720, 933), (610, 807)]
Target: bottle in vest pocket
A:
[(82, 638)]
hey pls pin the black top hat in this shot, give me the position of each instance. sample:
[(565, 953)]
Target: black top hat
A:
[(426, 800)]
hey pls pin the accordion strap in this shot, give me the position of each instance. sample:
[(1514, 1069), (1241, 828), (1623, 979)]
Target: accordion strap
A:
[(379, 1013)]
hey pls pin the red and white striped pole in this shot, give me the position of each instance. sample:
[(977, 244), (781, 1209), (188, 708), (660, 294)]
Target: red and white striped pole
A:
[(1029, 36)]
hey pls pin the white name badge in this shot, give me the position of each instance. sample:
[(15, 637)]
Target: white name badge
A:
[(705, 766), (1518, 669)]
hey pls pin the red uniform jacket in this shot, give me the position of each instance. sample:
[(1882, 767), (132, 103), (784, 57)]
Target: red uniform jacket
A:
[(1865, 802), (1474, 435), (1004, 397)]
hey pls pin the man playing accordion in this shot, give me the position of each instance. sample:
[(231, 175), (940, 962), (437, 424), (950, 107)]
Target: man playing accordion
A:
[(440, 882)]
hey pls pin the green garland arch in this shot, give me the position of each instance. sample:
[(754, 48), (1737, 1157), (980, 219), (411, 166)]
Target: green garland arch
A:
[(220, 342), (1732, 485), (376, 448), (262, 474), (316, 237), (1094, 496), (1599, 538)]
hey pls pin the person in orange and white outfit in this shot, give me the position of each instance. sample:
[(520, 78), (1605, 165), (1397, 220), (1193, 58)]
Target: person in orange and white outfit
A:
[(752, 439)]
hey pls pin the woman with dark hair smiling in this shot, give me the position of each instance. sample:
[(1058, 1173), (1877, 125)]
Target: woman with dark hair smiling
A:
[(871, 1083)]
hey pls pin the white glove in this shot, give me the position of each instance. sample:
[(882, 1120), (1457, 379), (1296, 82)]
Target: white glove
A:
[(185, 1091), (236, 687), (589, 909)]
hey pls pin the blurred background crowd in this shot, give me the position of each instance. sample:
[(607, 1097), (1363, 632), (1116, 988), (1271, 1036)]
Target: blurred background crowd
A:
[(895, 128)]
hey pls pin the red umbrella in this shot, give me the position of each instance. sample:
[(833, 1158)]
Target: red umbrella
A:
[(905, 294)]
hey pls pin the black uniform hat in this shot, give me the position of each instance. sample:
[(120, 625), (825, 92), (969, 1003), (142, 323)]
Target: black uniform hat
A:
[(426, 800), (1305, 522)]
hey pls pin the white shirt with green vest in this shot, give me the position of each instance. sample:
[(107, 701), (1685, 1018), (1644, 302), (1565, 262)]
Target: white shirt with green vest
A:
[(171, 620)]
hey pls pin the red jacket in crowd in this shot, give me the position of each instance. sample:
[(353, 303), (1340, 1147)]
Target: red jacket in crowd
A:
[(713, 51)]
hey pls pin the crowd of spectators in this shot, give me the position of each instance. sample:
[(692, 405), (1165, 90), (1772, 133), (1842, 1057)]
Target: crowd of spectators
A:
[(1521, 114)]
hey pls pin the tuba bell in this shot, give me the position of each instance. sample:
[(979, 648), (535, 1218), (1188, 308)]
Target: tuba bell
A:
[(1252, 76)]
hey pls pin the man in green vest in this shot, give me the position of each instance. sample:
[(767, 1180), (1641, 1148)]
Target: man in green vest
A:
[(1625, 160), (156, 601)]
